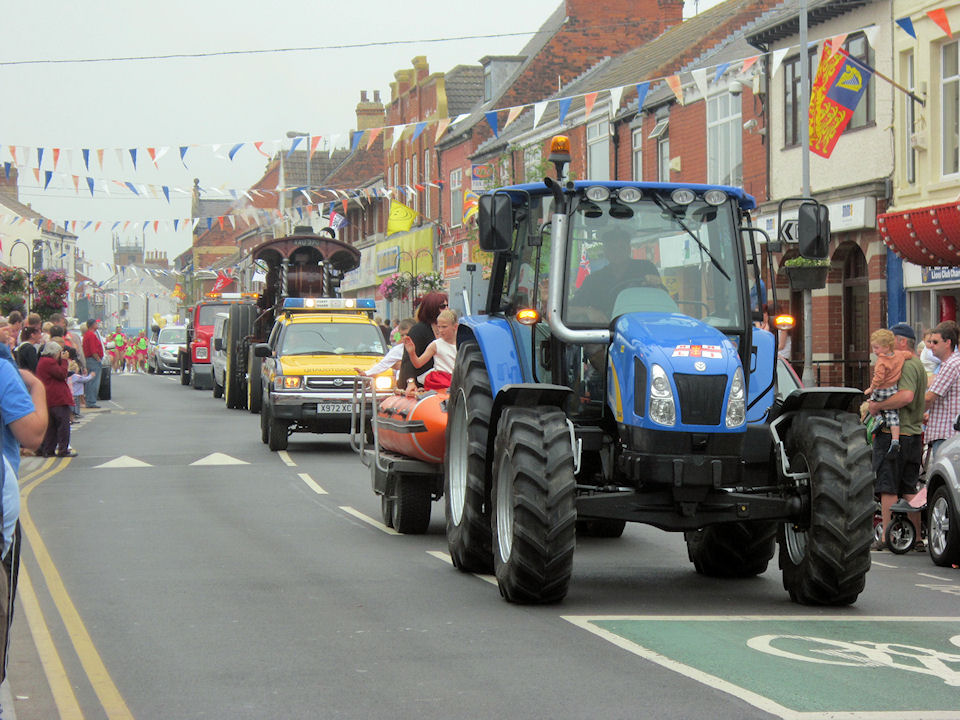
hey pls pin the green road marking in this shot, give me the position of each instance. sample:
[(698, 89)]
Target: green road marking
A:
[(806, 666)]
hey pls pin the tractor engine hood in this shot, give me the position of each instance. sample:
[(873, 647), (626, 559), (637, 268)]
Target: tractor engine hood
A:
[(698, 361)]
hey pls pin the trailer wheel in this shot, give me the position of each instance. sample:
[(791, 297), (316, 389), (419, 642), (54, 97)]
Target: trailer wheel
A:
[(825, 556), (601, 528), (738, 549), (410, 507), (264, 427), (386, 510), (464, 472), (533, 500), (277, 436), (254, 382)]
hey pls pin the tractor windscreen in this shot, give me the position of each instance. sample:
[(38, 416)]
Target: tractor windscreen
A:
[(653, 255)]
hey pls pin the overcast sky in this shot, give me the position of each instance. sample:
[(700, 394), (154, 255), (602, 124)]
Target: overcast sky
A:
[(211, 100)]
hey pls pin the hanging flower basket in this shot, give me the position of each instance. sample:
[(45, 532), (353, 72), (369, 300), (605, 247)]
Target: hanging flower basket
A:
[(430, 282), (395, 287), (807, 277)]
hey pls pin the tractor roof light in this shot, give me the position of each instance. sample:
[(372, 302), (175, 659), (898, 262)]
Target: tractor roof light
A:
[(559, 154), (598, 193), (715, 197), (683, 196), (629, 195)]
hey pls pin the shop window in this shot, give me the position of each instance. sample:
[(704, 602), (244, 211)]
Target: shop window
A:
[(856, 317)]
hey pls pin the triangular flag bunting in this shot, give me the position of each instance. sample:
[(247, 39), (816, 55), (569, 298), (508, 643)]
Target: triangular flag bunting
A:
[(512, 115), (183, 154), (674, 83), (642, 90), (563, 107), (374, 134), (234, 150), (259, 146), (419, 128), (492, 122), (700, 78), (166, 192), (777, 60), (906, 24), (588, 101), (721, 69), (90, 185), (56, 157), (442, 126), (616, 94), (293, 146), (356, 140), (939, 16), (133, 157), (749, 63), (538, 109), (48, 175), (314, 141)]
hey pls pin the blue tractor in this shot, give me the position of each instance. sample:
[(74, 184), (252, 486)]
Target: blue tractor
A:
[(616, 376)]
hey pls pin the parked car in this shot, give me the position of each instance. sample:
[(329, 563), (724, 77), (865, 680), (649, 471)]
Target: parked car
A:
[(162, 349), (943, 501), (218, 355)]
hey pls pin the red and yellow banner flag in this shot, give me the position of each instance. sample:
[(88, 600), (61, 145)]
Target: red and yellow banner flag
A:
[(837, 89)]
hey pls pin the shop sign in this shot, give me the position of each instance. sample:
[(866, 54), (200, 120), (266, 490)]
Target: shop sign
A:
[(481, 177), (939, 274)]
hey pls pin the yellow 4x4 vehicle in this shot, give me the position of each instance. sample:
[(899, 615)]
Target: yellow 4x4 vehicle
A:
[(309, 366)]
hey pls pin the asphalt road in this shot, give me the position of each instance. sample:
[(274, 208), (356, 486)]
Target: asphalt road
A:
[(253, 584)]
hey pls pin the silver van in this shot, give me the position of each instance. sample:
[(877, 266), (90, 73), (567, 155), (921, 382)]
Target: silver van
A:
[(218, 355)]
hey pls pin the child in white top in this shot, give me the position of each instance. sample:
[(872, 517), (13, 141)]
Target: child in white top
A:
[(443, 351), (394, 354), (77, 380)]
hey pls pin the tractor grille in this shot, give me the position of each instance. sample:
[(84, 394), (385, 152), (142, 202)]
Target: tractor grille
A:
[(330, 384), (701, 398)]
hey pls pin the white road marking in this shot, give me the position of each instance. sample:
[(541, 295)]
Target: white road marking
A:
[(935, 577), (218, 458), (886, 565), (285, 456), (369, 520), (446, 558), (311, 484), (124, 461)]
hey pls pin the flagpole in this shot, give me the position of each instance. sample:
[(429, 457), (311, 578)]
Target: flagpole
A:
[(808, 376)]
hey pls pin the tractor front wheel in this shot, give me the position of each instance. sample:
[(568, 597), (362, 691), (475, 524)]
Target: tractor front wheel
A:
[(825, 555), (533, 500)]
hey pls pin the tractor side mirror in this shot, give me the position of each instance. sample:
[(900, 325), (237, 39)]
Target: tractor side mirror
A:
[(495, 222), (262, 350), (813, 230)]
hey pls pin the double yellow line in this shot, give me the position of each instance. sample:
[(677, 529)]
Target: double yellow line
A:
[(63, 695)]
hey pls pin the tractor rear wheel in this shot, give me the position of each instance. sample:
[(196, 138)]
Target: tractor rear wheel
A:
[(825, 555), (738, 549), (465, 465), (534, 513)]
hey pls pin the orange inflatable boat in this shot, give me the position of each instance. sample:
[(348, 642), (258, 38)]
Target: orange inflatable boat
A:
[(414, 426)]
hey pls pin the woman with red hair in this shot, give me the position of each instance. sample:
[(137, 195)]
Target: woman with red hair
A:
[(422, 334)]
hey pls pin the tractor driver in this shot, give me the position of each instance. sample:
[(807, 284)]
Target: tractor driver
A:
[(595, 300)]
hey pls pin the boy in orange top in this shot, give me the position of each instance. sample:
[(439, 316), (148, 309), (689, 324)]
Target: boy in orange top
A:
[(886, 375)]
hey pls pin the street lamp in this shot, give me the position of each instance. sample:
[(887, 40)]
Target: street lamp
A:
[(295, 134), (29, 267)]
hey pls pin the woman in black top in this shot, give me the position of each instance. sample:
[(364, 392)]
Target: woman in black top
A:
[(422, 334), (26, 352)]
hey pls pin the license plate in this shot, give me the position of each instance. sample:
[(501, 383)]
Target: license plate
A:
[(334, 408)]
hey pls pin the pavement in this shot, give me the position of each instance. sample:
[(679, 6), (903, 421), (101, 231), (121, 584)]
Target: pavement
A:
[(25, 694)]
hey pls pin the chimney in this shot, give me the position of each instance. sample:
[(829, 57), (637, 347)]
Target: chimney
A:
[(404, 80), (8, 184), (421, 67), (370, 114)]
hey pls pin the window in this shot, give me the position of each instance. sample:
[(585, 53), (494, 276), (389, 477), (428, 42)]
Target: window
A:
[(414, 181), (533, 163), (792, 114), (638, 154), (859, 49), (724, 137), (487, 84), (410, 200), (396, 174), (426, 183), (456, 197), (950, 102), (910, 117), (598, 150), (663, 158)]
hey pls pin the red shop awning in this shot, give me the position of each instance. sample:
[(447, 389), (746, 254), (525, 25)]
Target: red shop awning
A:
[(928, 236)]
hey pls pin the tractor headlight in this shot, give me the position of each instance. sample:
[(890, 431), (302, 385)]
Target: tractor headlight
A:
[(663, 407), (736, 403)]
